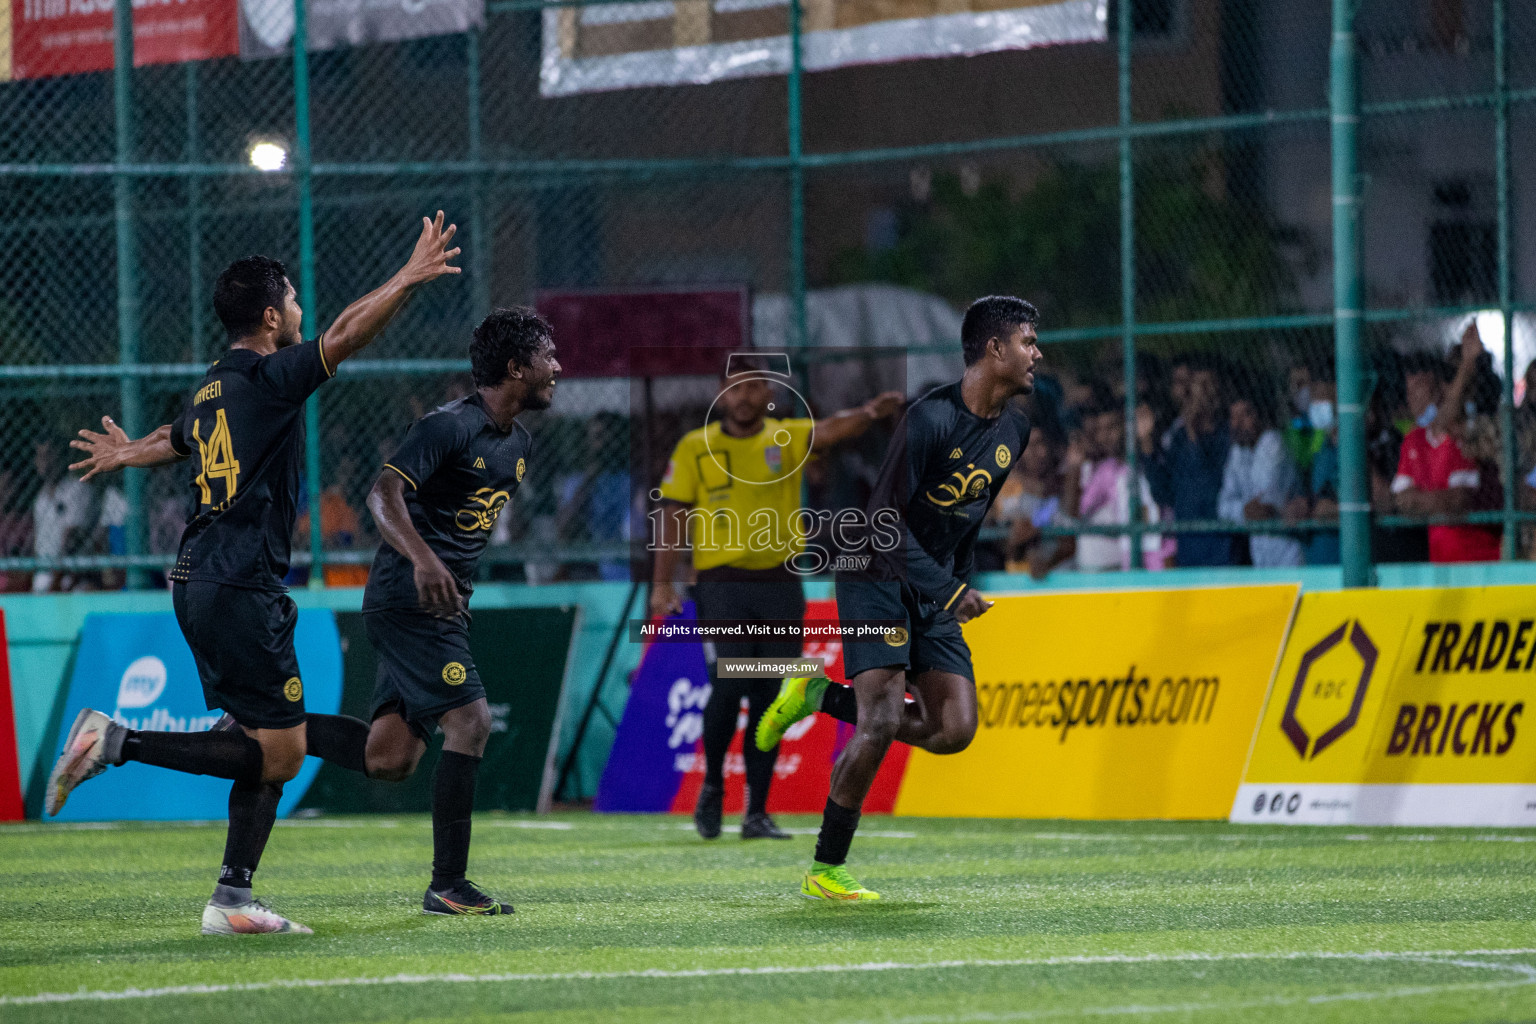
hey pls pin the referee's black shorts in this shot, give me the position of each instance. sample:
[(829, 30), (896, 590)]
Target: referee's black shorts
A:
[(242, 642), (725, 594), (927, 638)]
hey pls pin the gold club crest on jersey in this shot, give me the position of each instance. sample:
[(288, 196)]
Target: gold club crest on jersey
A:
[(962, 486), (484, 506), (1004, 456)]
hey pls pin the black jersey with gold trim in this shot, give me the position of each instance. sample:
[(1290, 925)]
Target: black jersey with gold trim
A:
[(940, 476), (460, 471), (243, 429)]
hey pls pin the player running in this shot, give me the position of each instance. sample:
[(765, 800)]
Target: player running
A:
[(436, 502), (950, 456), (244, 430)]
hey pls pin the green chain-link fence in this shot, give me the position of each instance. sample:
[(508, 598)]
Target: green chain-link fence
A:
[(1165, 193)]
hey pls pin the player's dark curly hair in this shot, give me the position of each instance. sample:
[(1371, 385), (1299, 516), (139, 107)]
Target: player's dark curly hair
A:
[(510, 334), (245, 291), (993, 317)]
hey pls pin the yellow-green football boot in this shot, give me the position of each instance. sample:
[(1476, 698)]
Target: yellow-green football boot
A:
[(799, 697), (834, 883)]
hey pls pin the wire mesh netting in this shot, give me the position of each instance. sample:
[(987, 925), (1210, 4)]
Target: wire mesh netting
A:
[(868, 200)]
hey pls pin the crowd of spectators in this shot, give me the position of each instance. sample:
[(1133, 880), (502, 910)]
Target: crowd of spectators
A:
[(1219, 446), (1213, 446)]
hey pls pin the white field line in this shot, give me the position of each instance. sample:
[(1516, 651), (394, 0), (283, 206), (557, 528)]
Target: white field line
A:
[(1528, 977), (1446, 956)]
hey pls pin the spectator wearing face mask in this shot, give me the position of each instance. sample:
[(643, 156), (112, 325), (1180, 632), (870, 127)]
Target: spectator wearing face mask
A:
[(1320, 500), (1302, 439)]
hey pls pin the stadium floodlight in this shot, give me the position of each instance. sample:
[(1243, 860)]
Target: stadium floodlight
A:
[(267, 155)]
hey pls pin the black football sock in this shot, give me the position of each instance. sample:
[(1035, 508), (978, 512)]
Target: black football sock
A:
[(838, 824), (338, 739), (720, 715), (759, 763), (252, 810), (226, 755), (840, 702), (453, 800)]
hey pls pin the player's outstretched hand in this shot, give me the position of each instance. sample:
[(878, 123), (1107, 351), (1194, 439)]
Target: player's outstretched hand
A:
[(883, 404), (437, 590), (971, 605), (104, 453), (431, 258)]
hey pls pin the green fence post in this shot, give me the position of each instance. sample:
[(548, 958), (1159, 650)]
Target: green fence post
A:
[(1354, 494), (1507, 447), (1124, 29), (479, 233), (194, 220), (798, 333), (303, 165), (129, 386)]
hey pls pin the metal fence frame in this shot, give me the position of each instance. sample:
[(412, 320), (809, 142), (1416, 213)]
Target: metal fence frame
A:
[(1343, 114)]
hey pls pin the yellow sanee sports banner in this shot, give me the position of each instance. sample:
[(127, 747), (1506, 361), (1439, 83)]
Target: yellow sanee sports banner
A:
[(1124, 704), (1401, 707)]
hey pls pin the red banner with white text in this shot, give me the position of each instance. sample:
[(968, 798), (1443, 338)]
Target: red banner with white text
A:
[(66, 37)]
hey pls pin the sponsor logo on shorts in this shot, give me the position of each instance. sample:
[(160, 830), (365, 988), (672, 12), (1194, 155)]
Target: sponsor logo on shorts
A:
[(896, 637), (293, 689), (453, 673), (1004, 456)]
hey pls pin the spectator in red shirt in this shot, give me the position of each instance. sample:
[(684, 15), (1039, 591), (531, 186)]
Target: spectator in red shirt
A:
[(1436, 475)]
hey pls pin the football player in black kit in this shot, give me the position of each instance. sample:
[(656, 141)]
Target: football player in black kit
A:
[(950, 456), (243, 429), (435, 504)]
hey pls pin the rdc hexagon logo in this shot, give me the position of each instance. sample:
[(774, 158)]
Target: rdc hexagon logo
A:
[(1329, 690)]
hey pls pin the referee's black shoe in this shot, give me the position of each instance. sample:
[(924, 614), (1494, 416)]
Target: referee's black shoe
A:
[(760, 826), (706, 813)]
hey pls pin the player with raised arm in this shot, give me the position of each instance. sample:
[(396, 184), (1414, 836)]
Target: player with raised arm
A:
[(435, 502), (950, 456), (243, 428)]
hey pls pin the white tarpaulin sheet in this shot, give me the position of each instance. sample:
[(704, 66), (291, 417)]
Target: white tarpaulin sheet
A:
[(598, 47)]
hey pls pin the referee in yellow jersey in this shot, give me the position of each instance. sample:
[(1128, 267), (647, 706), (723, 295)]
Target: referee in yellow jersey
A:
[(745, 463)]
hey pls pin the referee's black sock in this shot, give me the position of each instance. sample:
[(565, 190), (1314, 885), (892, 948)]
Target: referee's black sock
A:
[(339, 739), (838, 824), (226, 755), (453, 800), (252, 810), (840, 702)]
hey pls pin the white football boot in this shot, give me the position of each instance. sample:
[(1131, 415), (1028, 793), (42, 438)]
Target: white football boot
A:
[(85, 756), (253, 918)]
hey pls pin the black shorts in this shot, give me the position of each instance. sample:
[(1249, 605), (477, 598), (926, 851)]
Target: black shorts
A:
[(749, 595), (929, 639), (242, 641), (425, 668)]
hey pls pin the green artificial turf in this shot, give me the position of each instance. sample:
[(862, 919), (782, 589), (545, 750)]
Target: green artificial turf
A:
[(629, 919)]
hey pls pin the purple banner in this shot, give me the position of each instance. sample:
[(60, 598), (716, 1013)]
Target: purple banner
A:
[(660, 731)]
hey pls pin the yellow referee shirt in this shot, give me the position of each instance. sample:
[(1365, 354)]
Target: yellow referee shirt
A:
[(745, 492)]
